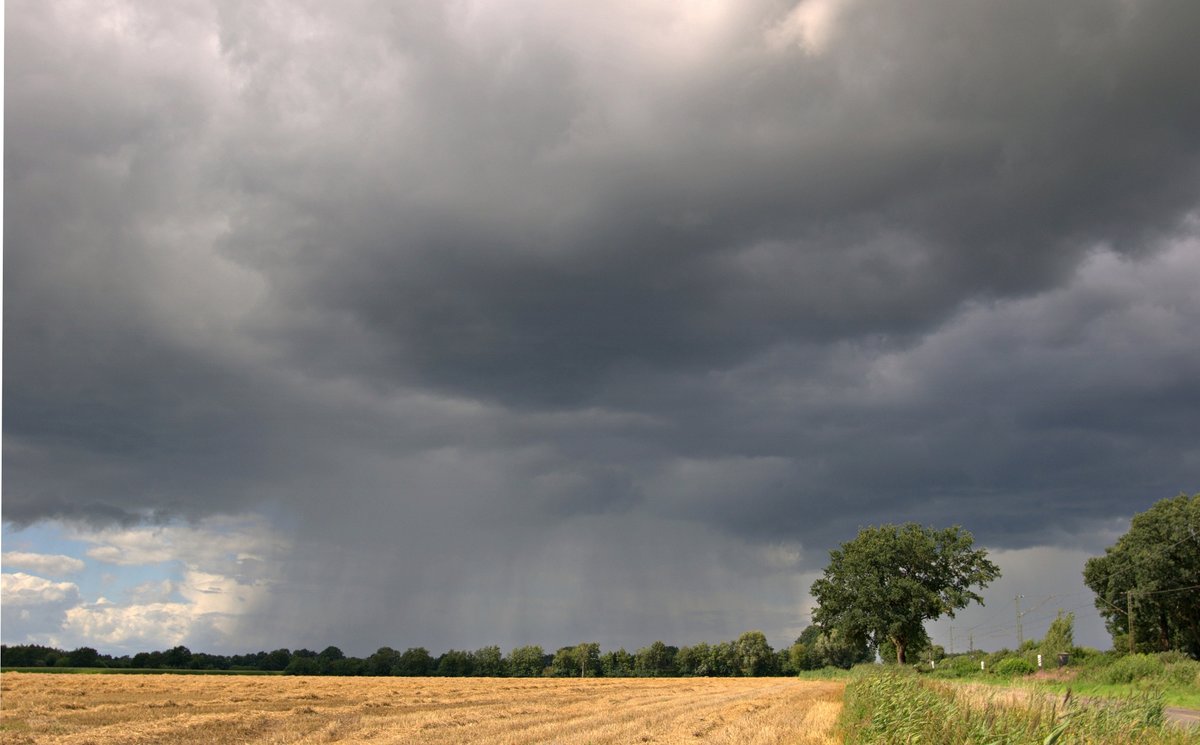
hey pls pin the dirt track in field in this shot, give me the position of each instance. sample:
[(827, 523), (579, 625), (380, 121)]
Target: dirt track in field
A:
[(48, 708)]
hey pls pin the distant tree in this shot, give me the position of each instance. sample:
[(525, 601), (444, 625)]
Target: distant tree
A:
[(302, 665), (200, 661), (799, 657), (655, 661), (347, 666), (489, 662), (617, 664), (20, 655), (252, 661), (1059, 638), (276, 660), (587, 659), (385, 661), (28, 655), (565, 663), (724, 661), (146, 661), (834, 649), (88, 657), (456, 664), (328, 661), (694, 661), (329, 654), (889, 580), (415, 661), (754, 655), (1155, 567), (783, 662), (124, 661), (526, 662), (181, 658)]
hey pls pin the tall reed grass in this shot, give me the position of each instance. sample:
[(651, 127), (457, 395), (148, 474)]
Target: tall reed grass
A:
[(895, 707)]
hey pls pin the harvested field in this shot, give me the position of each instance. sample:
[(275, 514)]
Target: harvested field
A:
[(45, 708)]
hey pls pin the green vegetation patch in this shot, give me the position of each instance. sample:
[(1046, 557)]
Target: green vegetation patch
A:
[(896, 706)]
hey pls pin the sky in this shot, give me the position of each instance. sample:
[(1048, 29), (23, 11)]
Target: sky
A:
[(449, 324)]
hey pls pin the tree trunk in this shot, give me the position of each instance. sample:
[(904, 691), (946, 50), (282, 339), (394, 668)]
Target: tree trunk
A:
[(900, 656)]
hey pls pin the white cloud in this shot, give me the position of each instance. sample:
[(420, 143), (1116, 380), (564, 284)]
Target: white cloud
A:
[(224, 563), (51, 564), (220, 567), (228, 543), (151, 592), (214, 593), (32, 608), (141, 627), (20, 589)]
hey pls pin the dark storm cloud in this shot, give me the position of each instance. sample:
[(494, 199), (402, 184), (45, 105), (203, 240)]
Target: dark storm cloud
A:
[(466, 294), (751, 197)]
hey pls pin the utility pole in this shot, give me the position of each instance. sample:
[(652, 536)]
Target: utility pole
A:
[(1020, 632), (971, 642)]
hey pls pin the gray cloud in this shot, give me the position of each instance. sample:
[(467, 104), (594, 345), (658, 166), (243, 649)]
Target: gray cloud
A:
[(459, 293)]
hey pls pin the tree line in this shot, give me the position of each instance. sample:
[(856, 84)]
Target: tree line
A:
[(876, 595), (750, 655)]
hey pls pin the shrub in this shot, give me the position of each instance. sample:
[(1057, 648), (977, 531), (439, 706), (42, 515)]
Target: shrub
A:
[(1011, 666), (994, 658), (1173, 655), (959, 666), (1133, 667), (1087, 656), (1185, 673)]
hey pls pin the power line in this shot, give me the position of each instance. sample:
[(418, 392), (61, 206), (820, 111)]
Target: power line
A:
[(1164, 592), (988, 630), (989, 618), (1192, 535)]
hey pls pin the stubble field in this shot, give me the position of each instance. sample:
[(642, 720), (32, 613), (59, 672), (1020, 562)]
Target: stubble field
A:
[(48, 708)]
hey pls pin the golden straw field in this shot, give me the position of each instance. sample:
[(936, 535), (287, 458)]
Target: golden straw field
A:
[(50, 708)]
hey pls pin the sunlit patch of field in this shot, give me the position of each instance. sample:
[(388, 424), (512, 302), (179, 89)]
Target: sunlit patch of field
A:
[(170, 709)]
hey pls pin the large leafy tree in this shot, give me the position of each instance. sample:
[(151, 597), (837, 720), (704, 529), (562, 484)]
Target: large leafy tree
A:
[(755, 656), (884, 584), (1155, 567)]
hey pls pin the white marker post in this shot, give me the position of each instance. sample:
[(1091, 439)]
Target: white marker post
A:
[(1039, 660)]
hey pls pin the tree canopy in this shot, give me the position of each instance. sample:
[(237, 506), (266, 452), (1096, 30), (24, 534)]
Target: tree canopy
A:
[(883, 585), (1155, 568), (815, 649), (1060, 637)]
